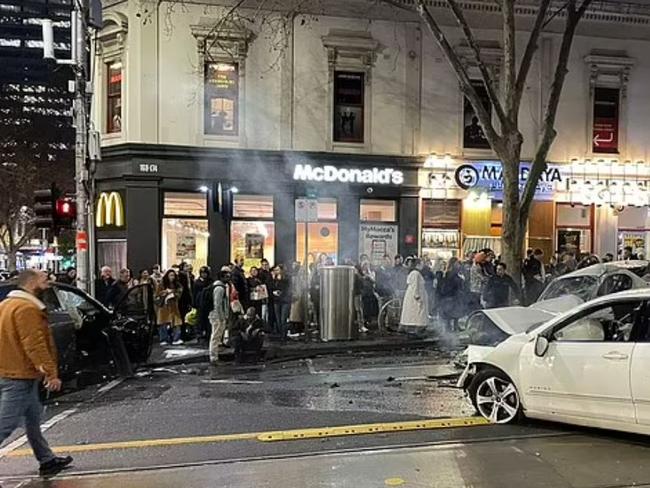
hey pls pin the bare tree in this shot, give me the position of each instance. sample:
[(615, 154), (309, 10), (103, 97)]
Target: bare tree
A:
[(503, 131)]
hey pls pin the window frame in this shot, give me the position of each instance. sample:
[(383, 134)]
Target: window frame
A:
[(110, 130), (361, 106), (619, 103), (208, 99), (482, 93), (634, 334), (395, 211)]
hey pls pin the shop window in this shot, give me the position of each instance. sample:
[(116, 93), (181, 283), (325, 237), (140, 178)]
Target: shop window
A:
[(221, 98), (186, 204), (634, 231), (111, 253), (348, 106), (252, 241), (378, 210), (574, 227), (246, 206), (440, 228), (327, 209), (323, 238), (606, 120), (473, 133), (114, 98), (185, 240)]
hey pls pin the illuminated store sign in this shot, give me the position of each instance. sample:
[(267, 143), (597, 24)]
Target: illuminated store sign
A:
[(332, 174)]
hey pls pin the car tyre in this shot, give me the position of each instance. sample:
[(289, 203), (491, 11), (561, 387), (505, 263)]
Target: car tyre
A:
[(495, 397)]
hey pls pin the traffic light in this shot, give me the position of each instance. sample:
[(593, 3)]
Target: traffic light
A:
[(53, 210), (45, 207)]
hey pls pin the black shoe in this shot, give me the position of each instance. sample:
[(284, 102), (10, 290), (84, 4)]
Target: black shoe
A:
[(54, 466)]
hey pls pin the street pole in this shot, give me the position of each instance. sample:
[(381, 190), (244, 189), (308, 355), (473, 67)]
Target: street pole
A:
[(80, 113)]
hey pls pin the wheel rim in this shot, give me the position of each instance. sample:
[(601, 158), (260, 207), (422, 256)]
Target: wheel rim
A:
[(497, 400)]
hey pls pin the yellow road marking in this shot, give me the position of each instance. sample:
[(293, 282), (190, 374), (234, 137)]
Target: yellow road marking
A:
[(286, 435), (394, 482)]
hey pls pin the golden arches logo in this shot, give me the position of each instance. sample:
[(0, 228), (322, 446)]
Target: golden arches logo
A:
[(110, 210)]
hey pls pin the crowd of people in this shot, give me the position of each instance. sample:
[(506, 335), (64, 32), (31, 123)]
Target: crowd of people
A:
[(282, 301)]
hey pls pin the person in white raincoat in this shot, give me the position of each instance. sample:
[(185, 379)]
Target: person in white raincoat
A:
[(414, 309)]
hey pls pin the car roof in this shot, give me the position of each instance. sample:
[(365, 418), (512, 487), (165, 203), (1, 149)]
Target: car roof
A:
[(604, 268)]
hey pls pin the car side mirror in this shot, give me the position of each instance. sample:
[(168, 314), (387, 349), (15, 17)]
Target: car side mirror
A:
[(541, 346)]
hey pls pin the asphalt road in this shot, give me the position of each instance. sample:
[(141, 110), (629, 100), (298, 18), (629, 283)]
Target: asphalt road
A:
[(198, 426)]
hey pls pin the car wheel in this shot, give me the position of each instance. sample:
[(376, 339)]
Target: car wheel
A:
[(495, 397)]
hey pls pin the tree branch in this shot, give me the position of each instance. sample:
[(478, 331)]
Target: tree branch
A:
[(510, 58), (466, 84), (529, 53), (539, 163), (485, 73)]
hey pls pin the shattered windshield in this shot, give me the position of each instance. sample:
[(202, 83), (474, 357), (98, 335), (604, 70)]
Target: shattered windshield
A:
[(580, 286)]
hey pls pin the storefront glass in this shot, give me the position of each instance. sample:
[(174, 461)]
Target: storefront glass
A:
[(185, 229), (252, 231), (440, 228), (574, 227), (252, 241), (323, 236), (634, 231), (185, 240), (378, 210)]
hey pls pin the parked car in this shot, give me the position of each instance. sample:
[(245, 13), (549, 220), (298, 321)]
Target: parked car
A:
[(588, 366), (93, 339)]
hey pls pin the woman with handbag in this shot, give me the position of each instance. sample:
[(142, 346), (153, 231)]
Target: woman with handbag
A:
[(167, 299), (257, 290)]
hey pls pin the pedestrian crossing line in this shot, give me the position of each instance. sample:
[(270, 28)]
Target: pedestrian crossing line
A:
[(274, 436), (365, 429)]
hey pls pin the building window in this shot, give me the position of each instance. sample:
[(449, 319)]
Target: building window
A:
[(378, 210), (473, 133), (252, 231), (114, 98), (221, 99), (606, 116), (185, 232), (348, 106)]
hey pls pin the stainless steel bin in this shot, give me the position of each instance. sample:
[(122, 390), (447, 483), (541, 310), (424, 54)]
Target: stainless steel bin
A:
[(337, 313)]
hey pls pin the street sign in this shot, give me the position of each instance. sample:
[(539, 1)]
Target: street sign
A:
[(306, 210), (82, 240)]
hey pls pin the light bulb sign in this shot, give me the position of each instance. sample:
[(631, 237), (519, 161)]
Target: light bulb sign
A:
[(332, 174), (488, 175)]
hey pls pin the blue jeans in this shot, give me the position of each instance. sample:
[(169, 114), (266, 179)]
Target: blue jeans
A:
[(19, 400), (166, 330), (281, 317)]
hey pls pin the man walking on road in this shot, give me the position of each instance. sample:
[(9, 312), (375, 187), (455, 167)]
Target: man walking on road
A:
[(27, 357)]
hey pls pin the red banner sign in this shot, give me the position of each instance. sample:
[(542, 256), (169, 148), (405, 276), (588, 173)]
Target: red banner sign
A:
[(82, 240), (605, 135)]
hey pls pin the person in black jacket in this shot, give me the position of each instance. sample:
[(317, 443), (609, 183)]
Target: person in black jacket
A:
[(104, 285), (451, 291), (239, 281), (280, 288), (498, 288), (201, 283)]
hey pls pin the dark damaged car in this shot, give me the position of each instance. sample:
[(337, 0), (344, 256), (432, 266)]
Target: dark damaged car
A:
[(93, 341)]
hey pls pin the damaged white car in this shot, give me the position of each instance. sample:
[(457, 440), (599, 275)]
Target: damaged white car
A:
[(588, 366)]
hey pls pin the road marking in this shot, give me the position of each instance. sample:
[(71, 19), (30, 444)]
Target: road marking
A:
[(234, 382), (288, 435), (394, 482), (12, 447)]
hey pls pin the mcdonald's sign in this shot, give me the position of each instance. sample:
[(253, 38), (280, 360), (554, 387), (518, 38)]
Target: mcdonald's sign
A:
[(110, 210)]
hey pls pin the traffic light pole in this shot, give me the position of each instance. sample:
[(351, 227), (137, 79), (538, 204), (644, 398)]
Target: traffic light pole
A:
[(80, 114)]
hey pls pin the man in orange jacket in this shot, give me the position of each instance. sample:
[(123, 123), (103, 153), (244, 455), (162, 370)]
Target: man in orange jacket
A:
[(27, 357)]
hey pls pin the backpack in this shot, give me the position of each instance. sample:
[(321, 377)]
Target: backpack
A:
[(206, 301)]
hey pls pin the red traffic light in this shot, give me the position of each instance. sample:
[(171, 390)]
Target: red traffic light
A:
[(66, 209)]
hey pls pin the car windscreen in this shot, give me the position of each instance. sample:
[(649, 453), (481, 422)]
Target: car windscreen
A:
[(583, 287)]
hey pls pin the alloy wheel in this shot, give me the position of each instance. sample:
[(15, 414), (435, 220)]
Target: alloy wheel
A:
[(497, 400)]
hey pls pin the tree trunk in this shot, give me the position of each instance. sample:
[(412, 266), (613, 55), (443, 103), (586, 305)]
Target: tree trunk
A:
[(512, 230)]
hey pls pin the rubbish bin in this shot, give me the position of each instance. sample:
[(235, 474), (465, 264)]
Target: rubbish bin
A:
[(337, 314)]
